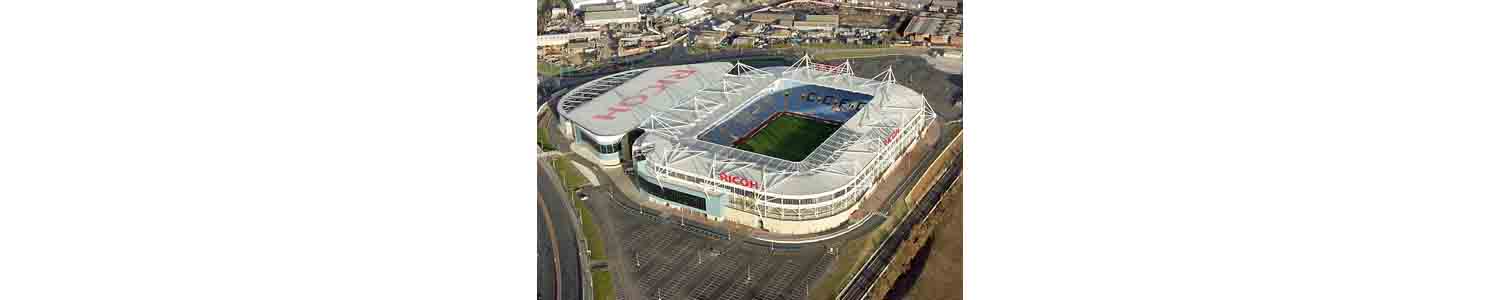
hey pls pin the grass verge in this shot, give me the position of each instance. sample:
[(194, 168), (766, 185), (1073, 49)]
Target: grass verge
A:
[(591, 231), (699, 49), (548, 69), (859, 53), (851, 255), (603, 285), (572, 179), (541, 138), (843, 46)]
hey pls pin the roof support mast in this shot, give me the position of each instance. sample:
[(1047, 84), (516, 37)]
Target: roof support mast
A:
[(857, 151)]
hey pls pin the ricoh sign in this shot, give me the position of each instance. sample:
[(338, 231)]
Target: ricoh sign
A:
[(892, 136), (628, 103), (741, 181)]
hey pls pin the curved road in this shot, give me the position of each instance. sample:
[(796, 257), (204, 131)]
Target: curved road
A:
[(556, 216), (546, 275)]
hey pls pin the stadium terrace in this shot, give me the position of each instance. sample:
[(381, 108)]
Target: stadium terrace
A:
[(786, 149)]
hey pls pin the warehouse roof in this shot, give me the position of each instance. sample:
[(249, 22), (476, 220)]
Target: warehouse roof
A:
[(823, 18), (611, 15), (932, 25), (765, 17), (598, 7)]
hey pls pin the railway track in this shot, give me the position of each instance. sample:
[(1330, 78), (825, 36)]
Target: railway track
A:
[(859, 287)]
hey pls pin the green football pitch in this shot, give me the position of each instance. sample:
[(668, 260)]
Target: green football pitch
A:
[(788, 136)]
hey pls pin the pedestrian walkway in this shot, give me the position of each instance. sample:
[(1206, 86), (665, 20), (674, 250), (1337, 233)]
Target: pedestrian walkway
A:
[(627, 187), (587, 173), (816, 237)]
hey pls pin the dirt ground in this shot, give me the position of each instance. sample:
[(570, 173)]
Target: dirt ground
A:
[(864, 19), (940, 88), (949, 65), (942, 276)]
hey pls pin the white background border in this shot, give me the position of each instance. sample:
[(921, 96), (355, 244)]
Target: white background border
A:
[(374, 150), (1233, 150)]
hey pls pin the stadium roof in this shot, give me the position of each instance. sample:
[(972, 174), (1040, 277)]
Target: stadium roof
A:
[(674, 104), (596, 106)]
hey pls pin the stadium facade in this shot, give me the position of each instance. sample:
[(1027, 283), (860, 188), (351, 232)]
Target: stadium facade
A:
[(786, 149)]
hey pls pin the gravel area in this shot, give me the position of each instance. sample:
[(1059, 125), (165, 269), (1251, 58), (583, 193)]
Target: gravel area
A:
[(941, 88)]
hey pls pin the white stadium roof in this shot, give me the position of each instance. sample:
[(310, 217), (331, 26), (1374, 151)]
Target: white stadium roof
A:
[(674, 104), (596, 106)]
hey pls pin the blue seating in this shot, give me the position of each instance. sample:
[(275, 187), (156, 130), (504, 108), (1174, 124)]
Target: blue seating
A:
[(812, 100)]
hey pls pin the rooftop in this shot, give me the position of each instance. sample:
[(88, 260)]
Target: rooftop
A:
[(675, 104), (823, 18), (598, 7), (765, 17), (611, 14), (932, 25)]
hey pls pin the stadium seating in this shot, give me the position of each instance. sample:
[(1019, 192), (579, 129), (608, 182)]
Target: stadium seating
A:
[(816, 101)]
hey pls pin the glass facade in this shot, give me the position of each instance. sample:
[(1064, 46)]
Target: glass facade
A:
[(668, 194), (602, 149), (607, 149), (820, 207)]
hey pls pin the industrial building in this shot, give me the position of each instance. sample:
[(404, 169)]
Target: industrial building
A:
[(564, 38), (744, 41), (817, 22), (599, 7), (947, 6), (906, 4), (692, 14), (598, 18), (773, 18), (666, 10), (932, 24), (711, 38), (579, 4)]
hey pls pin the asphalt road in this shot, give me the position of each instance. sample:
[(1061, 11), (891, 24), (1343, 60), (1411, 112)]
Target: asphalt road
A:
[(562, 226), (546, 280)]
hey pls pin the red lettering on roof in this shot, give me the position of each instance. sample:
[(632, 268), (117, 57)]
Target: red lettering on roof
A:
[(661, 85), (626, 101), (627, 104), (611, 114), (682, 73)]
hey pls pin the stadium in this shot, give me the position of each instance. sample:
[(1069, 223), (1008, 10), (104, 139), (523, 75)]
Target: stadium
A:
[(789, 149)]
